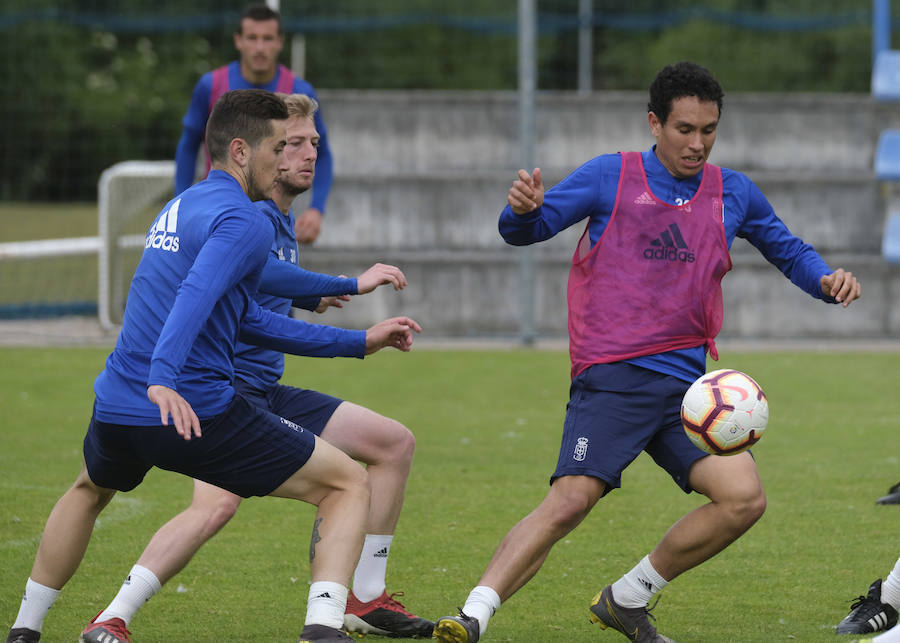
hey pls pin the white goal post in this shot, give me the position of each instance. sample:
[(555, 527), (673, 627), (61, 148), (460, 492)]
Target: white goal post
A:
[(129, 195), (125, 190)]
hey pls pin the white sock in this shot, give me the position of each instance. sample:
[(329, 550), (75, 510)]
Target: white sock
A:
[(481, 604), (326, 604), (368, 579), (637, 587), (891, 636), (36, 602), (137, 589), (890, 588)]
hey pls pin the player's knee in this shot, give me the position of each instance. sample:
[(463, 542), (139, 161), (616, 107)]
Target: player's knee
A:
[(404, 443), (91, 495), (392, 444), (755, 506), (567, 508), (355, 480), (220, 511), (746, 508)]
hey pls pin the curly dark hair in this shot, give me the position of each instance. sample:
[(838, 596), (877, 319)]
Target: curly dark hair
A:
[(679, 80)]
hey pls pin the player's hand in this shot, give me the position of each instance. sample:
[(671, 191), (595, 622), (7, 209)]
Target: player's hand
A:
[(396, 332), (842, 286), (172, 404), (331, 302), (527, 192), (378, 275), (308, 226)]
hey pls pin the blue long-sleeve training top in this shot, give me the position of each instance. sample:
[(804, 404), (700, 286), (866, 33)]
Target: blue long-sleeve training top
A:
[(194, 128), (589, 192), (190, 300), (284, 283)]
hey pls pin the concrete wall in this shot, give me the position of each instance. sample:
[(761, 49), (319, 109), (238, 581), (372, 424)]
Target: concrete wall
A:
[(422, 176)]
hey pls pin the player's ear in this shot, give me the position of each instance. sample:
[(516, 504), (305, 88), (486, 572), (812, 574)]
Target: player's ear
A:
[(239, 151), (655, 124)]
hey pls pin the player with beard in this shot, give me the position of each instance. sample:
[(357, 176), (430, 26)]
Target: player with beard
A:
[(383, 444), (166, 397)]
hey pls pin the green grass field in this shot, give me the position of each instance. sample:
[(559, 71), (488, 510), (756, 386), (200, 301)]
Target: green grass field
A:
[(487, 426)]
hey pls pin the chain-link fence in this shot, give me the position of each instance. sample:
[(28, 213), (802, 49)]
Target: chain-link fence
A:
[(89, 83)]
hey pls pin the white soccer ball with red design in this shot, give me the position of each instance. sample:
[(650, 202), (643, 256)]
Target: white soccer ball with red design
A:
[(724, 412)]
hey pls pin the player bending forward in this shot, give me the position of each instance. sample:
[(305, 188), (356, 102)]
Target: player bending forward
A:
[(383, 444)]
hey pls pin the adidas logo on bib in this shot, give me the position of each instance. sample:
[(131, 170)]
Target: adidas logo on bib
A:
[(669, 246)]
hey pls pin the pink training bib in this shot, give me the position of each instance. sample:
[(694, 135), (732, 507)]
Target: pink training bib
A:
[(652, 282)]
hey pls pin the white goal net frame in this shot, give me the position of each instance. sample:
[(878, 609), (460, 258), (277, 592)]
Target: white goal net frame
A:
[(125, 190)]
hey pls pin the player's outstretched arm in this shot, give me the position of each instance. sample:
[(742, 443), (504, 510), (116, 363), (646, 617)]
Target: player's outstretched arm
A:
[(527, 192), (379, 275), (308, 226), (841, 286), (170, 403), (396, 332)]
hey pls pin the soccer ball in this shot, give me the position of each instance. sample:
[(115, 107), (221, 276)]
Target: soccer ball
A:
[(724, 412)]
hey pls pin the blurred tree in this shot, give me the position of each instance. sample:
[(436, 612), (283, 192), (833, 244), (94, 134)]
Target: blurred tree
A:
[(85, 84)]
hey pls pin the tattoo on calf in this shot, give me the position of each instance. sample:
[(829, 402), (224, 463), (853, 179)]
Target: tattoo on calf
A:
[(315, 538)]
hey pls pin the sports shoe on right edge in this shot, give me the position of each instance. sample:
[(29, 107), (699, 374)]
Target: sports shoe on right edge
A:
[(892, 497), (868, 614), (385, 616), (457, 629), (111, 631), (633, 622), (322, 634), (23, 635)]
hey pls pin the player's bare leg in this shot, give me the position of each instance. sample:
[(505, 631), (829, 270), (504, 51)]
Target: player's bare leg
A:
[(175, 543), (736, 502), (68, 531), (525, 547), (62, 547), (339, 487), (521, 553), (362, 434), (386, 447), (168, 552)]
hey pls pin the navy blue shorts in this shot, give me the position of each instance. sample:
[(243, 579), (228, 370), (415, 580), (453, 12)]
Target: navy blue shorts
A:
[(245, 449), (617, 410), (310, 409)]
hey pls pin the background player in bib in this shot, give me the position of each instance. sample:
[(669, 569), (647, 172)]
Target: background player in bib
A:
[(259, 41), (165, 397), (645, 303), (383, 444)]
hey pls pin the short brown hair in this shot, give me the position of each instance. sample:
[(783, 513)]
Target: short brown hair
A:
[(242, 113), (258, 12)]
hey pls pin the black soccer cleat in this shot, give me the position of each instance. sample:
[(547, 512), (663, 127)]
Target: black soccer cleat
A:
[(23, 635), (633, 622), (316, 633), (892, 497), (868, 614), (457, 629), (385, 616)]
